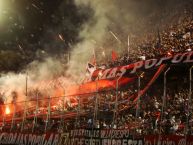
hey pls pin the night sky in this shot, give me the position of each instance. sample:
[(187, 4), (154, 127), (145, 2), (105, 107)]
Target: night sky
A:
[(31, 29), (29, 25)]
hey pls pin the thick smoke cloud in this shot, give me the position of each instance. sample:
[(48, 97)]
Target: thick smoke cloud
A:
[(39, 75), (123, 18)]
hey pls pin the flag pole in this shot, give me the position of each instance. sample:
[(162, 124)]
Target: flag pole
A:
[(128, 42), (68, 57), (62, 109), (189, 100), (77, 123), (4, 116), (137, 113), (94, 54), (159, 39), (95, 115), (78, 111), (36, 112), (26, 93), (113, 34), (48, 114), (62, 112), (116, 103), (163, 104), (115, 113), (13, 117), (138, 95), (164, 95)]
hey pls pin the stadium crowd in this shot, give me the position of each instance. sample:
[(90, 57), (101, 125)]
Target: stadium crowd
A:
[(172, 119), (99, 110), (172, 38)]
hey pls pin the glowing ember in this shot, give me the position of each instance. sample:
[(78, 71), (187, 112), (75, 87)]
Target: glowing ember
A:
[(169, 54), (61, 37), (103, 53), (7, 110)]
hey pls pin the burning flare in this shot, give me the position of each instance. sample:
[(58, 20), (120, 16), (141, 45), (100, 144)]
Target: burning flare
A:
[(7, 110)]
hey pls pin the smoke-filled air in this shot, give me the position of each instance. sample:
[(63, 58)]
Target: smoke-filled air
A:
[(107, 28)]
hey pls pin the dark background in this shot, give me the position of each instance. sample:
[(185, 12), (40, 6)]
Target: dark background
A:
[(30, 27)]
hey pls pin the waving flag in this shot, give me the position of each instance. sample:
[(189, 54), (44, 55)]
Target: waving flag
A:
[(90, 69), (114, 56)]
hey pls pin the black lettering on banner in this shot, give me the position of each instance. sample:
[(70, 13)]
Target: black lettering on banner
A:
[(64, 138), (100, 137), (87, 142), (80, 132), (124, 142), (104, 137)]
